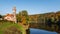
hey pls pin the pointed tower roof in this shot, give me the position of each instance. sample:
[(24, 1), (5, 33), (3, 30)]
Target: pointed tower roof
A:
[(14, 8)]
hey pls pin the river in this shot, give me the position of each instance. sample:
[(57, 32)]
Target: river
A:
[(40, 31), (40, 28)]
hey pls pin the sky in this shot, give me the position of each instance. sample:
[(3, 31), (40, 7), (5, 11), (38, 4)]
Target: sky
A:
[(32, 6)]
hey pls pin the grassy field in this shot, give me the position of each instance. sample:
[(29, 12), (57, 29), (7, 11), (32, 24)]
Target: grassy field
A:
[(10, 28)]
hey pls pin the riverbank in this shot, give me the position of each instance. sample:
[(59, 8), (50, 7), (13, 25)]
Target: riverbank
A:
[(7, 27)]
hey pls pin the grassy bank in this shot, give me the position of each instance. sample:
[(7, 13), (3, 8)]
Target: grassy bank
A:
[(10, 28)]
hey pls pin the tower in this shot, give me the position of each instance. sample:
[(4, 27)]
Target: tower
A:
[(14, 13)]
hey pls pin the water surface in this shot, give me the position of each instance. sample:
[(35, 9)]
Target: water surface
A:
[(39, 31)]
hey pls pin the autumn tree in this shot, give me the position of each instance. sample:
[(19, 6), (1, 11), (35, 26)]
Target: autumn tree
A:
[(24, 15)]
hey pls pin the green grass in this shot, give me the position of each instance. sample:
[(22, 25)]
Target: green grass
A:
[(6, 25)]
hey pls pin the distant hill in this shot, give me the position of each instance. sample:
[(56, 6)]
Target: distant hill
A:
[(40, 18)]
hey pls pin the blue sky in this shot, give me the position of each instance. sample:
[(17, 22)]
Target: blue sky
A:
[(32, 6)]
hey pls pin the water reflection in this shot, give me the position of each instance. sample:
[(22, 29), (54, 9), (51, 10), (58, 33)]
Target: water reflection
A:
[(52, 28), (28, 31)]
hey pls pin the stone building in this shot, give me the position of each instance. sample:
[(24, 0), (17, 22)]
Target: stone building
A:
[(11, 17)]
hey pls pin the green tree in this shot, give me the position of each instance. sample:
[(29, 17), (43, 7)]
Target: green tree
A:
[(18, 16), (24, 14), (0, 16)]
